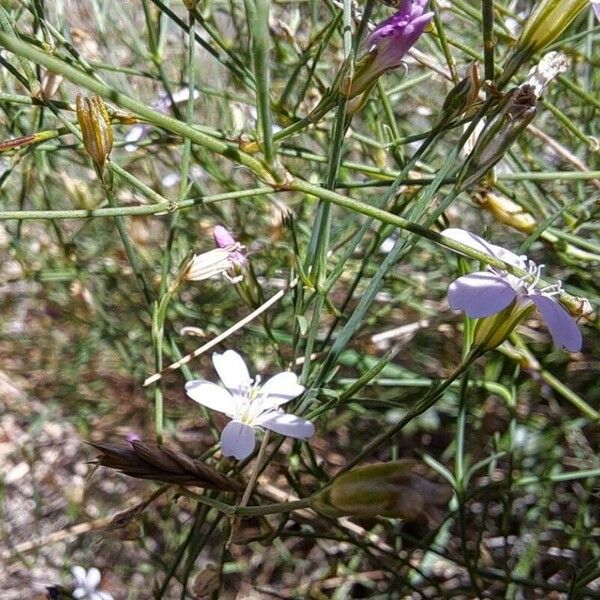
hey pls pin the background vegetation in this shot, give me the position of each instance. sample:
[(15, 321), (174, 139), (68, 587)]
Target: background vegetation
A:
[(367, 329)]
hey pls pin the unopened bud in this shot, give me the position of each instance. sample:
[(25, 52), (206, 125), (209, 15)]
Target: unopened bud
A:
[(462, 96), (505, 211), (392, 489), (492, 331), (517, 111), (545, 24), (95, 127)]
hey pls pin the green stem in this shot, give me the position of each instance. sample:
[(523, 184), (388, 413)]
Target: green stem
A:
[(123, 211), (258, 18), (77, 77)]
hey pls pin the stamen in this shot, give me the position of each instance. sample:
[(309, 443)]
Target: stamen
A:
[(533, 270), (552, 290)]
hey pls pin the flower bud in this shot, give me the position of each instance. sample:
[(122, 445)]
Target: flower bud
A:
[(96, 128), (492, 331), (392, 489), (518, 110), (505, 211), (545, 24), (462, 96)]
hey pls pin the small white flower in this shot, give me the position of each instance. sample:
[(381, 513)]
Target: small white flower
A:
[(249, 404), (86, 584)]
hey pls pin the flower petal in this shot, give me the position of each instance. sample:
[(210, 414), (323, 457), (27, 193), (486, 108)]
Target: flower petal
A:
[(79, 575), (79, 593), (596, 7), (93, 577), (237, 440), (211, 395), (102, 596), (562, 326), (281, 388), (286, 424), (232, 370), (474, 241), (480, 294)]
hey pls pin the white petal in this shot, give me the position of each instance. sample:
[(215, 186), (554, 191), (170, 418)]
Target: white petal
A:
[(237, 440), (562, 326), (102, 596), (474, 241), (480, 294), (211, 395), (232, 370), (286, 424), (93, 577), (79, 593), (281, 388), (79, 575)]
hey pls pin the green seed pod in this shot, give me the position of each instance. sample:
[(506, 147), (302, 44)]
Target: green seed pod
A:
[(392, 489)]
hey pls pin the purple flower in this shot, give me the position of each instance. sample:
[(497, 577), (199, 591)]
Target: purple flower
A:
[(385, 47), (596, 7), (486, 293), (249, 403)]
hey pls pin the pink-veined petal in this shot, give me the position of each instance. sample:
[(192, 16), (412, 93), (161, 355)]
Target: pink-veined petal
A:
[(281, 388), (477, 243), (211, 395), (237, 440), (286, 424), (562, 326), (232, 370), (480, 294)]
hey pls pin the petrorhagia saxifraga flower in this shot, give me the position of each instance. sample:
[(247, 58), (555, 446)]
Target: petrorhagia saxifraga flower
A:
[(518, 109), (544, 25), (249, 403), (496, 292), (226, 259), (96, 128), (86, 584), (384, 48)]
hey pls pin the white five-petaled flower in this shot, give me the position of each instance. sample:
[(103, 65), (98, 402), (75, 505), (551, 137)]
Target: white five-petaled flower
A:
[(86, 584), (249, 403), (485, 293)]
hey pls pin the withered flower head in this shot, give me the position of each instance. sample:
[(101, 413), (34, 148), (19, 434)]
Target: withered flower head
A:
[(147, 461), (95, 127), (517, 110)]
